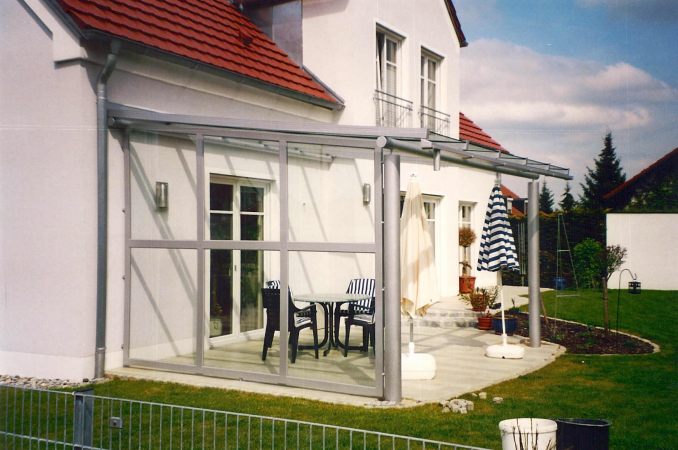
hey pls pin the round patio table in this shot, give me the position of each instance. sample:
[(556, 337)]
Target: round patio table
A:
[(328, 302)]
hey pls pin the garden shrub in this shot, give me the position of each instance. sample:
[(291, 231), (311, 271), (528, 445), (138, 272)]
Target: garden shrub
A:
[(587, 263)]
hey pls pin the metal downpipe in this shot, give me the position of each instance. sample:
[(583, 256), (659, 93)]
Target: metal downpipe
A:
[(102, 208)]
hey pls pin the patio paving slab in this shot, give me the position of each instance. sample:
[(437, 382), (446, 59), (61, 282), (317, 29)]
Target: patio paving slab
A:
[(462, 367)]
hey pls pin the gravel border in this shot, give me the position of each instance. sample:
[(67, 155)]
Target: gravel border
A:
[(45, 383)]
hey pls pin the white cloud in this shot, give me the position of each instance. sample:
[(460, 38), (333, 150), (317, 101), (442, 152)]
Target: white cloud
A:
[(558, 109)]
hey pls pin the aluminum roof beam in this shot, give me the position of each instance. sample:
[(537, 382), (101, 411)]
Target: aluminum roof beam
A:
[(414, 141)]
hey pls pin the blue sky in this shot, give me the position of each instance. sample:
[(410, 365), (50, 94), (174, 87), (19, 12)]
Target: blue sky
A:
[(548, 79)]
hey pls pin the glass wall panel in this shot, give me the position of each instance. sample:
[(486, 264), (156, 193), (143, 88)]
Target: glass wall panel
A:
[(235, 313), (163, 305), (169, 159), (322, 279), (242, 192), (330, 194)]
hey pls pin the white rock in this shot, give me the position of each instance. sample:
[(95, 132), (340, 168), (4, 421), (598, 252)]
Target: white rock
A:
[(497, 400), (482, 395)]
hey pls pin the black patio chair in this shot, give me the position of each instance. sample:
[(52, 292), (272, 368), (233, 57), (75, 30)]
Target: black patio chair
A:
[(297, 320), (361, 313)]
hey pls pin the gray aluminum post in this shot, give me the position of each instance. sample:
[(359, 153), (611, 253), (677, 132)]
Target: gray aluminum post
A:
[(533, 262), (392, 363), (83, 412)]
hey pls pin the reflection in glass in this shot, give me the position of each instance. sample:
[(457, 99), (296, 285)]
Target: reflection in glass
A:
[(236, 315), (251, 228), (221, 197), (221, 226), (221, 292), (251, 199)]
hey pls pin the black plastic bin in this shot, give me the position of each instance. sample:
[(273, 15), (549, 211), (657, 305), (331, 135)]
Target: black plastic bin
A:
[(582, 434)]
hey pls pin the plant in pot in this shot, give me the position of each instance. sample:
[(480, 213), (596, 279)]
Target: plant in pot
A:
[(481, 299), (510, 320), (466, 282)]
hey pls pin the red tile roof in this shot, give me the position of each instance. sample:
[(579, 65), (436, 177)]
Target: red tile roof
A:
[(469, 131), (515, 210), (212, 32), (669, 162)]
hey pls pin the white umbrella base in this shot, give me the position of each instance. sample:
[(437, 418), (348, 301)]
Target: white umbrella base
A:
[(418, 366), (505, 351)]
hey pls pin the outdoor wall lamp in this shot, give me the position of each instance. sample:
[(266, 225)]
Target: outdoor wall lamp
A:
[(367, 193), (634, 288), (161, 195)]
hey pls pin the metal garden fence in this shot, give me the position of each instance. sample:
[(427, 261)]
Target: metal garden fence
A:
[(44, 419)]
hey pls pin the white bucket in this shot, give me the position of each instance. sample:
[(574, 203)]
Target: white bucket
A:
[(528, 434)]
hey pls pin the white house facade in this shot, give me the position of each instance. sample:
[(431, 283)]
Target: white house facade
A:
[(199, 208)]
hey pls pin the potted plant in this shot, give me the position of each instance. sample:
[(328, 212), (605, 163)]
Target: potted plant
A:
[(481, 299), (466, 282), (510, 320)]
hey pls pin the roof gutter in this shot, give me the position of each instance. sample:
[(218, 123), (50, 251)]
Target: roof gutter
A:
[(143, 49), (102, 207)]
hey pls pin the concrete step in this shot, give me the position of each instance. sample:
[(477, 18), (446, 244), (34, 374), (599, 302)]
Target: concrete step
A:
[(446, 314)]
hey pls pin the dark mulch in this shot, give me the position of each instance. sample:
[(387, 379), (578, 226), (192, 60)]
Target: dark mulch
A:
[(583, 339)]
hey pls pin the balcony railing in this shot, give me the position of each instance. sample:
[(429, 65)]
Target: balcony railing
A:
[(392, 111), (436, 121)]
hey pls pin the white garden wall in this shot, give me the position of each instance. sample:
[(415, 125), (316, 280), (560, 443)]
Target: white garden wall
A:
[(652, 244)]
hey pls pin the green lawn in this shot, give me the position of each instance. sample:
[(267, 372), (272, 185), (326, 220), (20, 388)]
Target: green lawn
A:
[(638, 394)]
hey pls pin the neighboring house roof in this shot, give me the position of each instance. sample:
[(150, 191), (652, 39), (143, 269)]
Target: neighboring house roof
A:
[(668, 164), (211, 32), (515, 209), (455, 22), (469, 131)]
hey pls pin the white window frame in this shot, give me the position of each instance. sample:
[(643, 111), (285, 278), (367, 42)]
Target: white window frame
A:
[(219, 176), (425, 79), (382, 62)]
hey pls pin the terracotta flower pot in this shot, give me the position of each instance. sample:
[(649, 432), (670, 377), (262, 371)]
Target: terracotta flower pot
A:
[(485, 323), (466, 284)]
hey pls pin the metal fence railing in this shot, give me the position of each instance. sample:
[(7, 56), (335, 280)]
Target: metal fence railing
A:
[(43, 419), (434, 120), (392, 111)]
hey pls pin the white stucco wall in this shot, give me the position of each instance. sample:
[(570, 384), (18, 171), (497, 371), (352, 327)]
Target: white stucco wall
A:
[(340, 47), (48, 203), (652, 244)]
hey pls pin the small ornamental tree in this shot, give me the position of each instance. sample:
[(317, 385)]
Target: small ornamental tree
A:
[(611, 259), (587, 263)]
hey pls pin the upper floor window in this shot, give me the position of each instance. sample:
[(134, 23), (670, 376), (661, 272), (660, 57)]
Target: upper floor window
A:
[(429, 80), (388, 49), (391, 109), (429, 93)]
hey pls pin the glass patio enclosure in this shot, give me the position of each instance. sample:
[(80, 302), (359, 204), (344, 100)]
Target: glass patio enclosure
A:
[(216, 209)]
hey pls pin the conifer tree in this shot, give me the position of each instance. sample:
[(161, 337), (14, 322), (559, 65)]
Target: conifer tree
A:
[(606, 175), (567, 203), (545, 199)]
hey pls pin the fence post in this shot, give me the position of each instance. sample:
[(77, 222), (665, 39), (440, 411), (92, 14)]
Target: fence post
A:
[(83, 410)]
